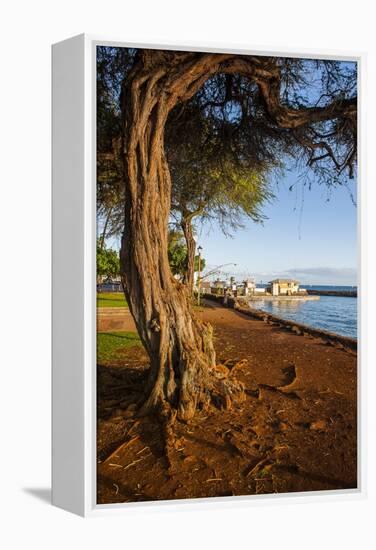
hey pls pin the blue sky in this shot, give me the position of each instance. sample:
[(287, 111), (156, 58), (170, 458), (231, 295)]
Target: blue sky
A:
[(310, 235)]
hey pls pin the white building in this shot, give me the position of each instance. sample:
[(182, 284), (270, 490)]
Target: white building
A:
[(283, 287), (249, 286)]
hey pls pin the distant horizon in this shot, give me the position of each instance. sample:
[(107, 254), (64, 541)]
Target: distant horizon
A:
[(266, 280), (309, 234), (314, 276)]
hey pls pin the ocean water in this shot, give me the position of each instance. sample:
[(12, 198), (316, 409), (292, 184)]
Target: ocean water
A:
[(334, 313)]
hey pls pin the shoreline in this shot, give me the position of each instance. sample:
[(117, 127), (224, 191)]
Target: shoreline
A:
[(243, 305), (280, 298), (299, 328)]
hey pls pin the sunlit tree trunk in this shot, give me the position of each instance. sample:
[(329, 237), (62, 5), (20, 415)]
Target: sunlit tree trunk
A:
[(104, 232), (179, 345)]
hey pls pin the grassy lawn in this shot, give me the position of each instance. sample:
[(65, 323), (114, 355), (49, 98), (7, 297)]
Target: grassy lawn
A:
[(111, 299), (111, 345), (117, 299)]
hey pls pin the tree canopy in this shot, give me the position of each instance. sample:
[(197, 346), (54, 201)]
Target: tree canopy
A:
[(210, 181), (108, 265), (229, 136), (178, 255)]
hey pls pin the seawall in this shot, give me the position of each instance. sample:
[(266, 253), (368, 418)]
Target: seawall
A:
[(282, 298), (339, 293), (300, 329)]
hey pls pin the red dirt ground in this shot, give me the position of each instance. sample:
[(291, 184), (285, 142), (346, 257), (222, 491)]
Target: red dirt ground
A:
[(296, 431)]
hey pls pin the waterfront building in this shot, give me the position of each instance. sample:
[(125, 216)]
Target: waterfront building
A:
[(249, 286), (283, 287), (205, 287)]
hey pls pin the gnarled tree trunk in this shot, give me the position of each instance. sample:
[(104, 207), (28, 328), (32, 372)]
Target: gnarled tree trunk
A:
[(179, 345)]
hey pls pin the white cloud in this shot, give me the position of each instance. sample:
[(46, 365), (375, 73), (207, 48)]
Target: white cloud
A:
[(324, 275)]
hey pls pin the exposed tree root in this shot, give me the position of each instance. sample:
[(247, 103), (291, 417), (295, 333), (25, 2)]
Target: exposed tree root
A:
[(227, 393), (167, 417), (202, 383), (218, 388)]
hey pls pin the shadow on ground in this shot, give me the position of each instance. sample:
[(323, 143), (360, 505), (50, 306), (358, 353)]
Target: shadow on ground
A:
[(41, 493)]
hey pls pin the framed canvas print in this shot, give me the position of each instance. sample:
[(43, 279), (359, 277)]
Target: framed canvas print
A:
[(206, 275)]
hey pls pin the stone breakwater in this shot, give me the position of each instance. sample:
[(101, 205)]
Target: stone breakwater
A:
[(339, 293), (281, 298), (242, 305)]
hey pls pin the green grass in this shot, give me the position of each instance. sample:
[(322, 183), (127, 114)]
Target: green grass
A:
[(111, 299), (117, 299), (112, 345)]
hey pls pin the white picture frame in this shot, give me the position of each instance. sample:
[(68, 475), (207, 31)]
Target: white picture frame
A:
[(74, 264)]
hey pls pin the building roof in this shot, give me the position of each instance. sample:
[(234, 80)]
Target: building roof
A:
[(284, 281)]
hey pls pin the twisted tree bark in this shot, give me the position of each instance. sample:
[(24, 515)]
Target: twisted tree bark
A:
[(179, 345)]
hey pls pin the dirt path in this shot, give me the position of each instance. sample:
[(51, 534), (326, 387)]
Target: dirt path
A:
[(115, 318), (295, 432)]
